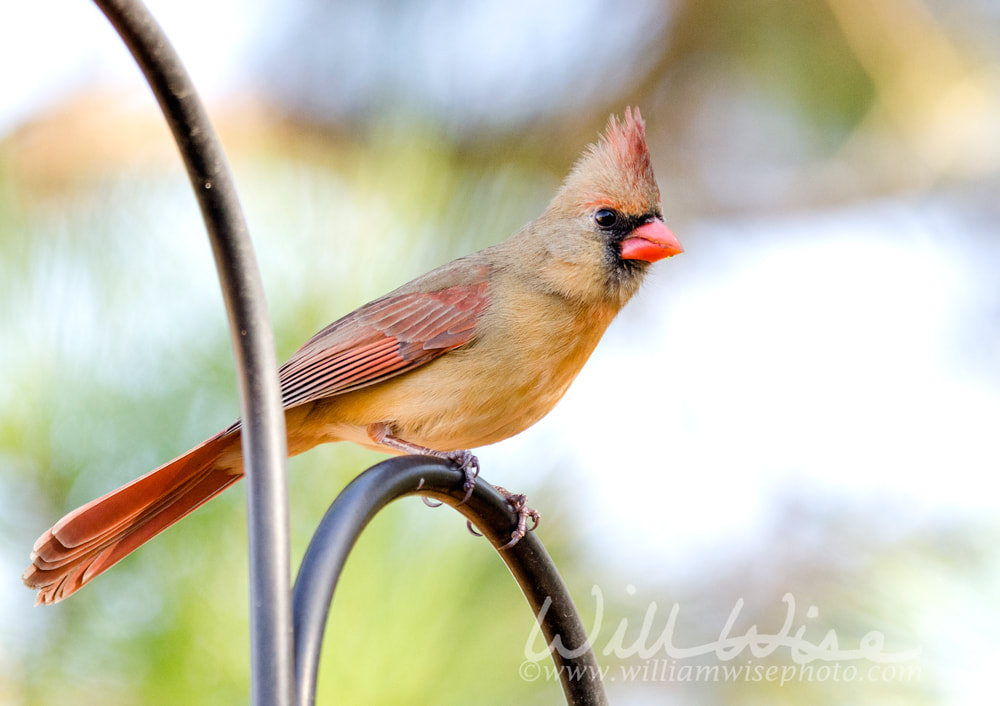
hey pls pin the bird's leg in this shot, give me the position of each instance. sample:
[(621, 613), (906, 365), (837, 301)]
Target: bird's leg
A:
[(465, 460), (469, 464), (519, 504)]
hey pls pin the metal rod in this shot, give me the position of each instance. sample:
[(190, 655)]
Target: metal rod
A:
[(527, 561), (264, 446)]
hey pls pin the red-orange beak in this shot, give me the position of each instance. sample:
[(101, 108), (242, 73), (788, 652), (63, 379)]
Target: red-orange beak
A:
[(651, 242)]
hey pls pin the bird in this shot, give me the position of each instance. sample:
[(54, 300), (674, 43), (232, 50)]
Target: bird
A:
[(473, 352)]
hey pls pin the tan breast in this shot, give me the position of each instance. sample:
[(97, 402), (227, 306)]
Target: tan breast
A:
[(504, 382)]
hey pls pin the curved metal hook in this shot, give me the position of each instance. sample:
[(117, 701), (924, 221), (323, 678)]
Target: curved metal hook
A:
[(527, 561)]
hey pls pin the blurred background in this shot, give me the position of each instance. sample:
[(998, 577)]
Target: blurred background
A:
[(803, 406)]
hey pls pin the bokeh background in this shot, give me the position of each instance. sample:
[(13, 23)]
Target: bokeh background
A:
[(804, 407)]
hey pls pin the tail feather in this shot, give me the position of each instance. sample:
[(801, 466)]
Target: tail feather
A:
[(93, 538)]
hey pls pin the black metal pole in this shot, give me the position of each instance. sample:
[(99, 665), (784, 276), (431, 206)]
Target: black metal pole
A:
[(264, 450), (528, 561)]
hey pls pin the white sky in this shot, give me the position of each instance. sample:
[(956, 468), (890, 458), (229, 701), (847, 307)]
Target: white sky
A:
[(49, 49)]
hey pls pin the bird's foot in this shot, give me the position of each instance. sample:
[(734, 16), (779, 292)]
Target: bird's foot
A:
[(464, 459), (469, 465), (519, 503)]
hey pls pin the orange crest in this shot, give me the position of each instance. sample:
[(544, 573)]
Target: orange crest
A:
[(616, 172), (627, 139)]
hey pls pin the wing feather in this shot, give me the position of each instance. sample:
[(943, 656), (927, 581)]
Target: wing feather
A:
[(382, 339)]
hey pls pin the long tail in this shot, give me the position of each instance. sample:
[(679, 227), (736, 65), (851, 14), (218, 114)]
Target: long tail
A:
[(93, 538)]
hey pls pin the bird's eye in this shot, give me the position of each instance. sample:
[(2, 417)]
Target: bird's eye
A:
[(606, 218)]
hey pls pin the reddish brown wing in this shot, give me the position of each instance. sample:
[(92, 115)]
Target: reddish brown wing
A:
[(380, 340)]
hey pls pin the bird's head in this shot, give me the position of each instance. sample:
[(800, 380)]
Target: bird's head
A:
[(608, 217)]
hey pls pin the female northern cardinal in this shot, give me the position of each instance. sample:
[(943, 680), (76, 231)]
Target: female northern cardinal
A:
[(470, 353)]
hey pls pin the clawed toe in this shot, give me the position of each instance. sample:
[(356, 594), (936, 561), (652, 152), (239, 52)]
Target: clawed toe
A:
[(468, 464), (519, 503)]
